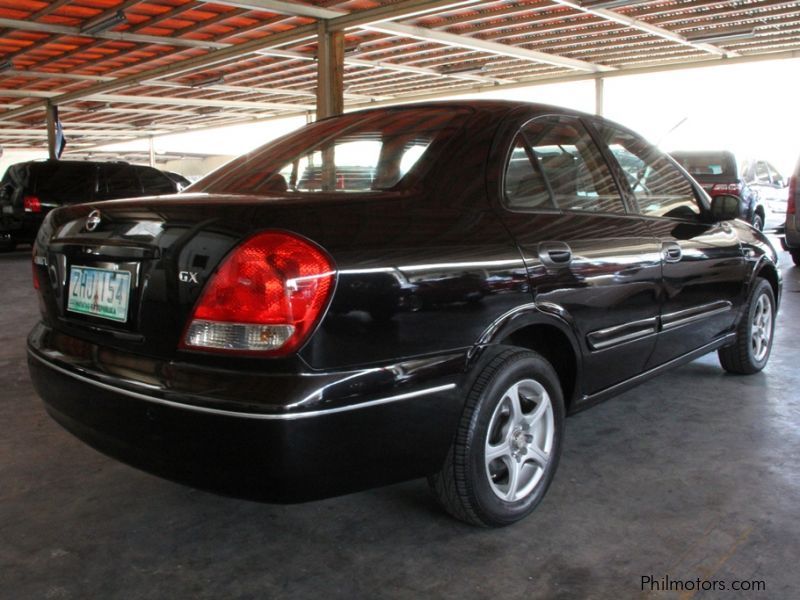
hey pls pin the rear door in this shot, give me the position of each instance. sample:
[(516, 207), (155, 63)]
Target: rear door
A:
[(703, 265), (585, 255)]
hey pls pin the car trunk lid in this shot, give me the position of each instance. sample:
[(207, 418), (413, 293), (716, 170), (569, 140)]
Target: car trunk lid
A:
[(128, 273)]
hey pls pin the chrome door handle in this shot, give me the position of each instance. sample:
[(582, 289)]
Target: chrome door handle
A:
[(555, 254), (671, 251)]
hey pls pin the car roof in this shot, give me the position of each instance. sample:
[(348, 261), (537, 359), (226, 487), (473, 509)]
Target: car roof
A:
[(497, 107)]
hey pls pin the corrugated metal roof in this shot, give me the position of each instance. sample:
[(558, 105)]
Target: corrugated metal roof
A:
[(122, 69)]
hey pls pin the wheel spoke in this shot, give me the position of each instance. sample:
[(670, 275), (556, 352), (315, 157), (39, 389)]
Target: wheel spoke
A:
[(513, 478), (537, 455), (516, 407), (540, 410), (495, 452)]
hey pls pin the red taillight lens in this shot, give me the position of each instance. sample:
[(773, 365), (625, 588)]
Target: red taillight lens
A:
[(32, 204), (791, 206), (265, 297)]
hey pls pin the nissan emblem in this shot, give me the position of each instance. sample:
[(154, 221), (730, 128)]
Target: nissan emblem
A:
[(93, 220)]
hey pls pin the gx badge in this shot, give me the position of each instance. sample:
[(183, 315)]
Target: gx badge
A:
[(187, 277)]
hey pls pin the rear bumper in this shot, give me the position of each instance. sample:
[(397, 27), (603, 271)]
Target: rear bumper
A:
[(261, 454)]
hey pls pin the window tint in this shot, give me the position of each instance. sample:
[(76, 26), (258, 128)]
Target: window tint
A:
[(524, 185), (155, 182), (572, 166), (351, 153), (660, 188), (118, 181), (67, 181)]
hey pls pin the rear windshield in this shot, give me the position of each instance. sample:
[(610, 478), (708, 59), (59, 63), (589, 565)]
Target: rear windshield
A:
[(705, 165), (352, 153), (64, 182)]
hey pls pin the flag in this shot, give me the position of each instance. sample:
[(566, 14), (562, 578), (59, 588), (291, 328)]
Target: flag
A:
[(61, 140)]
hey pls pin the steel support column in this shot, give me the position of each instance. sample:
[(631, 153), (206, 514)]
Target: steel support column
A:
[(598, 96), (330, 71), (51, 116)]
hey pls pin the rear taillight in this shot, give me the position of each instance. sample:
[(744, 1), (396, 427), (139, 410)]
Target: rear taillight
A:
[(265, 297), (791, 206), (726, 188), (32, 204)]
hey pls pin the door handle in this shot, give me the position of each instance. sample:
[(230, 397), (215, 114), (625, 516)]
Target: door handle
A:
[(671, 251), (555, 254)]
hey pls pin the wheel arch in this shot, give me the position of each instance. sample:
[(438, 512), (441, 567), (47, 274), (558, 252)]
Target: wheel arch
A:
[(549, 331), (766, 270)]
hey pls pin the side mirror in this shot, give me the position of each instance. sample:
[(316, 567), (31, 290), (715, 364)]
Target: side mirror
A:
[(725, 207)]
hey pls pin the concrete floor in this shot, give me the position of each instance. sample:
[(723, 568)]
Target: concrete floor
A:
[(694, 474)]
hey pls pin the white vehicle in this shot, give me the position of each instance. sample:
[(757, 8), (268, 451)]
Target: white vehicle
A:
[(771, 188)]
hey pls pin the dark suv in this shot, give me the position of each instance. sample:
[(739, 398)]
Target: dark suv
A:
[(29, 190), (718, 173)]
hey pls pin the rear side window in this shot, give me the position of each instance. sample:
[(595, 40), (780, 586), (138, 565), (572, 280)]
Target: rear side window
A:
[(564, 169), (660, 188), (118, 181), (525, 187), (154, 182)]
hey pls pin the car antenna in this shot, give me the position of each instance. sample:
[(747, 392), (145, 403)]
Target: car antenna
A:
[(673, 128)]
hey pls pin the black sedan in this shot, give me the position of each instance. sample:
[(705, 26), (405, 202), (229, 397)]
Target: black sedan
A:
[(284, 338)]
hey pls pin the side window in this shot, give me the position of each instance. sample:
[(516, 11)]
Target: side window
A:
[(762, 175), (524, 185), (661, 190), (118, 181), (154, 182), (747, 172), (776, 178), (574, 171)]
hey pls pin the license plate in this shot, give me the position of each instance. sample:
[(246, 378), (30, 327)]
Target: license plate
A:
[(99, 292)]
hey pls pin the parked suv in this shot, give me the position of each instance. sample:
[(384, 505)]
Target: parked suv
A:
[(718, 173), (791, 241), (29, 190)]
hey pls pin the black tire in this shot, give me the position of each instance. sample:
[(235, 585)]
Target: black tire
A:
[(758, 221), (463, 485), (741, 357), (795, 256)]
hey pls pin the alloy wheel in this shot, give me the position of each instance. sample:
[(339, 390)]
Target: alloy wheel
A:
[(519, 441)]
